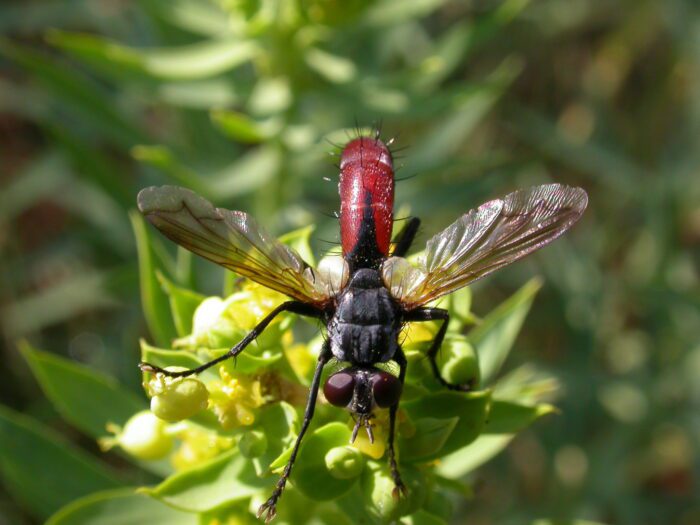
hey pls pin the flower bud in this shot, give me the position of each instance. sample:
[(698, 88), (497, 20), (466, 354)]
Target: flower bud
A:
[(344, 462), (175, 399), (378, 489), (459, 365), (252, 444), (144, 436)]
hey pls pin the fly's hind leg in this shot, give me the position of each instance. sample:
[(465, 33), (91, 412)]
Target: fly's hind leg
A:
[(437, 314), (399, 487), (404, 239), (269, 508), (296, 307)]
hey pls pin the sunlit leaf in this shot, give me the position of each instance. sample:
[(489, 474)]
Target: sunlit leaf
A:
[(495, 336), (41, 470), (119, 507), (86, 398)]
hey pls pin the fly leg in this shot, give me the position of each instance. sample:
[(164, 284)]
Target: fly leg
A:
[(404, 239), (399, 487), (437, 314), (269, 507), (296, 307)]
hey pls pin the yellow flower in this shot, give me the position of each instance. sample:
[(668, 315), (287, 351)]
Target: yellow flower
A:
[(198, 445), (235, 398)]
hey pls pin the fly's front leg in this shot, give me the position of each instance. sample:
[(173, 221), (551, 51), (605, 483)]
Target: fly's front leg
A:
[(436, 314), (269, 507), (399, 487), (296, 307), (405, 237)]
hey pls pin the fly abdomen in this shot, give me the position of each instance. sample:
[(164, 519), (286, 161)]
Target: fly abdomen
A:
[(366, 202)]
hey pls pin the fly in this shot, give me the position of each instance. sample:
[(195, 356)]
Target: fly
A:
[(365, 305)]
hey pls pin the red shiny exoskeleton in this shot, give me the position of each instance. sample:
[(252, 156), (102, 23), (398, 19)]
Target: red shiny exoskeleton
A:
[(366, 198), (368, 295)]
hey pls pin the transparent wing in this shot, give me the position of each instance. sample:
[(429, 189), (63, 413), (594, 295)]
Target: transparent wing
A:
[(232, 239), (485, 239)]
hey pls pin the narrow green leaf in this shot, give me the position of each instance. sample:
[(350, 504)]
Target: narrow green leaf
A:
[(495, 336), (86, 398), (194, 61), (392, 12), (300, 241), (77, 294), (250, 172), (464, 461), (154, 301), (470, 409), (71, 90), (506, 417), (41, 470), (504, 421), (183, 303), (431, 435), (243, 128), (333, 68), (223, 480), (120, 507)]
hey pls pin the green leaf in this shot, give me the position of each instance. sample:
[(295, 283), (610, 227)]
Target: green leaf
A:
[(431, 435), (495, 336), (79, 293), (85, 398), (299, 240), (253, 170), (154, 301), (201, 60), (506, 417), (310, 474), (504, 421), (243, 128), (183, 303), (41, 470), (464, 461), (333, 68), (470, 409), (163, 159), (223, 480), (392, 12), (119, 507), (469, 107), (73, 91), (279, 424)]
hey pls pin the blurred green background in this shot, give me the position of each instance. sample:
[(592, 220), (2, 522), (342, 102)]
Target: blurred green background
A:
[(237, 99)]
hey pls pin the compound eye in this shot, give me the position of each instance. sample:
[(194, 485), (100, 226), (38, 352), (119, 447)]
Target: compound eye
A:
[(339, 388), (386, 389)]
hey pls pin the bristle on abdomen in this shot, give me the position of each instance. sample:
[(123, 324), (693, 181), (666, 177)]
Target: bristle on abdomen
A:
[(366, 201)]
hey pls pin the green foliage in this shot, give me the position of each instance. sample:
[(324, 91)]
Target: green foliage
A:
[(236, 99), (229, 456)]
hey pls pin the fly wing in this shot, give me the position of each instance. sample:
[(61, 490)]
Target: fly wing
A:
[(485, 239), (232, 239)]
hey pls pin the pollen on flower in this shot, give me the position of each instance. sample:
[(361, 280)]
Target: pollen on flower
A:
[(234, 399)]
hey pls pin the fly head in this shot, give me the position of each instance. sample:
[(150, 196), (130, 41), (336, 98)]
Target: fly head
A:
[(360, 390)]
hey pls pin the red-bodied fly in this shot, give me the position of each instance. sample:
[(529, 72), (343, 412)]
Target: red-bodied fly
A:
[(377, 291)]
